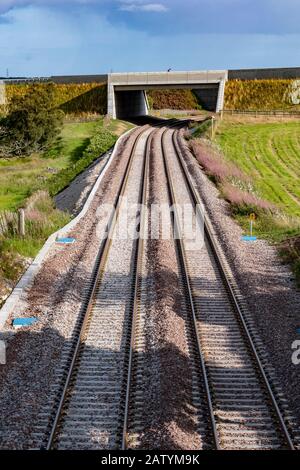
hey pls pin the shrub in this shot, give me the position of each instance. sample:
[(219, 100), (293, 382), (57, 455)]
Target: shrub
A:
[(213, 163), (32, 123), (243, 202), (100, 143)]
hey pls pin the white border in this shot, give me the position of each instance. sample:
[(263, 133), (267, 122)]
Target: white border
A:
[(28, 277)]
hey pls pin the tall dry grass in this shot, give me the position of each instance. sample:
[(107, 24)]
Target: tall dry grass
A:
[(234, 185), (213, 163)]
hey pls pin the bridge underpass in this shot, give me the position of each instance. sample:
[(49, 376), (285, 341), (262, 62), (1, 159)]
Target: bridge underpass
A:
[(127, 91)]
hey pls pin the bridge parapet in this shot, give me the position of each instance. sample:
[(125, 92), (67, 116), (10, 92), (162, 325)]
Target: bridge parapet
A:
[(165, 78)]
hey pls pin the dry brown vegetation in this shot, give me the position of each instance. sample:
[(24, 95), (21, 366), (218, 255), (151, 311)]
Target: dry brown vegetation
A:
[(259, 95)]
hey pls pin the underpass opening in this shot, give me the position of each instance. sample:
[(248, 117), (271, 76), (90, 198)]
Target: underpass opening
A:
[(130, 104)]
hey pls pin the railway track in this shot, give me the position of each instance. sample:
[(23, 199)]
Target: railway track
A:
[(91, 409), (243, 410), (92, 402), (99, 402)]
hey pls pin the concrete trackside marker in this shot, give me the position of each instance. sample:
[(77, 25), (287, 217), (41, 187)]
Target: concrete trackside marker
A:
[(2, 352)]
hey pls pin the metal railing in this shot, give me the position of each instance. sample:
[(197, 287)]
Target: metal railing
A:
[(253, 112)]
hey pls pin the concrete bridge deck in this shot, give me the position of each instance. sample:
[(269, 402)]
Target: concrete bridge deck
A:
[(127, 91)]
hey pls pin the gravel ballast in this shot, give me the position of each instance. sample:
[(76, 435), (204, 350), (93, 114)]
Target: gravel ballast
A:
[(55, 298), (169, 416), (73, 198)]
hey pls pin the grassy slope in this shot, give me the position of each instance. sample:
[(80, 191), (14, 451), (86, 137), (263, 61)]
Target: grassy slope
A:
[(270, 154), (260, 95), (20, 177)]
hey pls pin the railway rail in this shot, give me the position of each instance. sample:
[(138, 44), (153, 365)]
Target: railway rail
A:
[(92, 404), (93, 407), (243, 410), (91, 401)]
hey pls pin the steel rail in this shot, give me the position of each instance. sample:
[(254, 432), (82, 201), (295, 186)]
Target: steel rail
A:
[(96, 280), (137, 280), (97, 275), (181, 253), (137, 276), (215, 250)]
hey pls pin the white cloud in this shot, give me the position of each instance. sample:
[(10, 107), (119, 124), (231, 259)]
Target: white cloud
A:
[(148, 7)]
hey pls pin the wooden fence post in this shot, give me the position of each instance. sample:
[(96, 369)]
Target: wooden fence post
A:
[(21, 222)]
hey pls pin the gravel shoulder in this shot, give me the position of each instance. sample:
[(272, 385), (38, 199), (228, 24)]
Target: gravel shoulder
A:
[(266, 284), (73, 198)]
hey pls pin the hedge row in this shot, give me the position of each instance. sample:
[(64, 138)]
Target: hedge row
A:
[(102, 141)]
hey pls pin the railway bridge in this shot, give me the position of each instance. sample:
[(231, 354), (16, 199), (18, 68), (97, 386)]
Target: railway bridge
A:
[(127, 91)]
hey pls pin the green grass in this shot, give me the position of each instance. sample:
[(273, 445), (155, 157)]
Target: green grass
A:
[(269, 153), (73, 140), (21, 177), (27, 182)]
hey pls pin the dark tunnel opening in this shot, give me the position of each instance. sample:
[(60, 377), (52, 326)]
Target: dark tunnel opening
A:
[(130, 104)]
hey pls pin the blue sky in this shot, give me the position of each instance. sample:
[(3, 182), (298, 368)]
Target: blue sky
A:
[(51, 37)]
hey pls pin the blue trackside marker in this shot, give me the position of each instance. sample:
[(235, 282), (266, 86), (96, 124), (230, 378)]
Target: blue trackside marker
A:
[(298, 330), (65, 241), (22, 322), (251, 237), (248, 238)]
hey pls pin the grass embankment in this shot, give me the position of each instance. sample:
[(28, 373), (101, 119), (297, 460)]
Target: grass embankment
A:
[(73, 98), (258, 170), (55, 169), (262, 95), (29, 182)]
